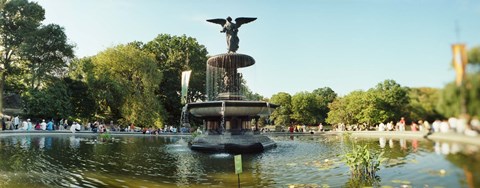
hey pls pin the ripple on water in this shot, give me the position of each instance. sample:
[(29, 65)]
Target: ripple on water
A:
[(221, 155)]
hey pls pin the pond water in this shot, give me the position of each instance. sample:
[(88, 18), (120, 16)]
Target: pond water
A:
[(166, 161)]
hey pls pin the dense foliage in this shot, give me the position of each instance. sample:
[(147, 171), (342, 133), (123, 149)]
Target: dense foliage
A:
[(281, 115), (388, 101), (31, 53), (174, 54)]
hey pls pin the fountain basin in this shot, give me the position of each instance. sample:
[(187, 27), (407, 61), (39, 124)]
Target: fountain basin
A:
[(236, 144), (232, 108)]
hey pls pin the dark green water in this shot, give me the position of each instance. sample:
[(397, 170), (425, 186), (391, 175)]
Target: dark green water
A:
[(166, 161)]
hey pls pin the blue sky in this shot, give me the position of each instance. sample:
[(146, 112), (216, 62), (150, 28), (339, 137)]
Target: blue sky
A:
[(298, 45)]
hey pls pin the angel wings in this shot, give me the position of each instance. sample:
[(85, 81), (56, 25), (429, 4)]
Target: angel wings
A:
[(238, 21), (231, 30)]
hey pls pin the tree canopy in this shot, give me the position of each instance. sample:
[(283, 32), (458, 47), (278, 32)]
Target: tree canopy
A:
[(129, 77), (29, 49), (387, 101), (281, 115), (174, 54)]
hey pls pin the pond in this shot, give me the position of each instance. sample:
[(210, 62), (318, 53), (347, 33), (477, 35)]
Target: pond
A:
[(166, 161)]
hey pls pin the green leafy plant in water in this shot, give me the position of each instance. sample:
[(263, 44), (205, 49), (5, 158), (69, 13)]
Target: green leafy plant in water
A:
[(195, 134), (363, 164), (105, 136)]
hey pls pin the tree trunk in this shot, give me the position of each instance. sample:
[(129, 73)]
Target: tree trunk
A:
[(2, 84)]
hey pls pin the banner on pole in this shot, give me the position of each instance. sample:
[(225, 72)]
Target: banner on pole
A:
[(460, 61), (185, 81), (238, 164)]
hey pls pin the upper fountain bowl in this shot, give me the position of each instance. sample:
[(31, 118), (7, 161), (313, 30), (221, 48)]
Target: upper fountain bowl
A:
[(231, 60)]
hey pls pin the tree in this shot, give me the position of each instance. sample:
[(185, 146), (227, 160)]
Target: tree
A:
[(387, 101), (18, 19), (393, 99), (423, 102), (126, 79), (52, 101), (281, 115), (346, 109), (474, 55), (324, 96), (46, 50), (449, 99), (81, 98), (249, 95), (173, 55), (304, 108)]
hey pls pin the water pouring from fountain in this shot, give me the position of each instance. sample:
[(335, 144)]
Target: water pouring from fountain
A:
[(227, 114)]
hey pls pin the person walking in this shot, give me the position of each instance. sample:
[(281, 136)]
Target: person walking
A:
[(16, 121)]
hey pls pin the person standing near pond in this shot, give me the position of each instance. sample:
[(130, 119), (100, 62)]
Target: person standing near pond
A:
[(16, 121), (402, 124), (414, 127), (381, 127), (65, 124), (390, 126), (50, 125), (29, 125), (43, 125), (75, 127), (24, 125), (4, 125)]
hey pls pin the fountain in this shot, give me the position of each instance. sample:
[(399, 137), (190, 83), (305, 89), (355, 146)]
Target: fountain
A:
[(226, 114)]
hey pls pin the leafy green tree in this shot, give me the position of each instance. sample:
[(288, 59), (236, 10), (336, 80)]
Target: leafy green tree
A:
[(174, 54), (250, 95), (346, 109), (51, 101), (281, 115), (423, 102), (81, 98), (393, 99), (85, 88), (304, 108), (473, 94), (449, 104), (449, 100), (46, 50), (324, 96), (126, 79), (18, 19), (474, 55), (388, 101), (312, 108)]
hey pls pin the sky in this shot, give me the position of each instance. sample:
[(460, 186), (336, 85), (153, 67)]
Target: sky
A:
[(298, 45)]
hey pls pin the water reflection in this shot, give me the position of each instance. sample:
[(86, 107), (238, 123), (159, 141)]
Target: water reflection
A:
[(166, 161)]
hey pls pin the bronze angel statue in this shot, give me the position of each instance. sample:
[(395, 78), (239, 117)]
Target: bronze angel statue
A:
[(231, 30)]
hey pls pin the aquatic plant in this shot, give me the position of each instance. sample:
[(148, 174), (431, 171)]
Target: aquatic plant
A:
[(363, 163), (195, 134), (106, 136)]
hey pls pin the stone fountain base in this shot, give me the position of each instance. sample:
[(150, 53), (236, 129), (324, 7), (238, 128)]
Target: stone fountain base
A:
[(247, 143)]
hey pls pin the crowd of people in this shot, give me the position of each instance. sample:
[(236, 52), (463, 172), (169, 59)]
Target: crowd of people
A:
[(458, 125), (470, 127), (16, 123)]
